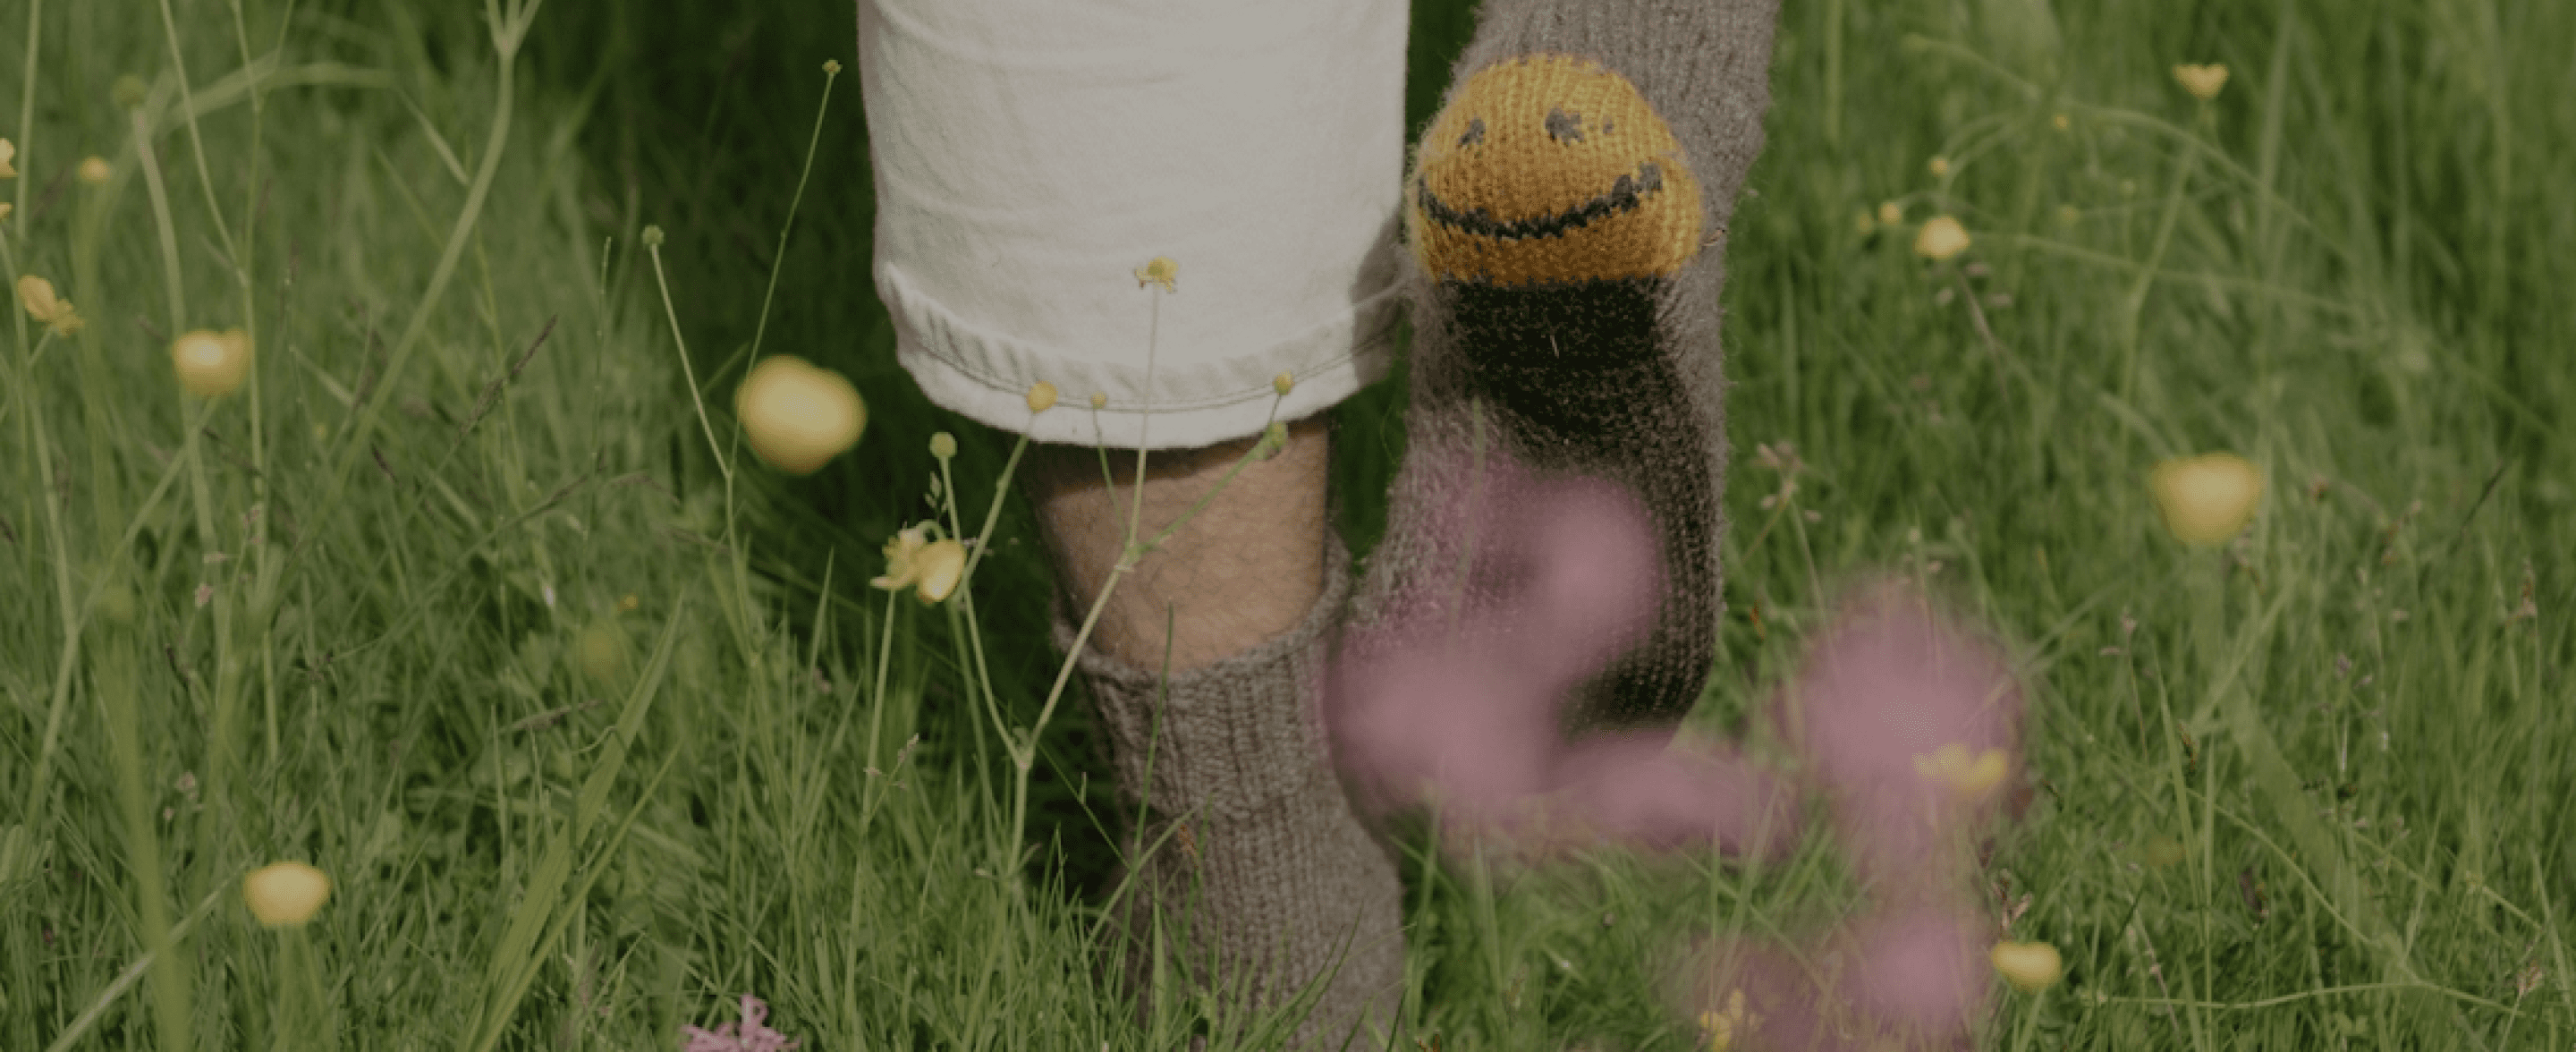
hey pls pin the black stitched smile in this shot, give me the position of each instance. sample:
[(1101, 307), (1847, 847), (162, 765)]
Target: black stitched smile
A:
[(1627, 194)]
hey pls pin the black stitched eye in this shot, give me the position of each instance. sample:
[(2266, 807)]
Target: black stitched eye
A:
[(1475, 133), (1563, 126)]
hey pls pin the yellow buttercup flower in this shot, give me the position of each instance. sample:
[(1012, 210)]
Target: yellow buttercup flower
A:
[(286, 894), (2062, 122), (1724, 1027), (2029, 966), (797, 416), (2203, 82), (1041, 396), (1970, 779), (211, 364), (2207, 499), (37, 296), (1891, 213), (8, 153), (914, 561), (1940, 166), (93, 170), (1162, 271), (940, 563), (1941, 239), (900, 550)]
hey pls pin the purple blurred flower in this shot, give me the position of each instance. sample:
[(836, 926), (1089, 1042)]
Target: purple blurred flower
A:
[(755, 1036)]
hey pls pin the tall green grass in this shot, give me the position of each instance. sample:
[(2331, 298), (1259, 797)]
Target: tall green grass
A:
[(558, 819)]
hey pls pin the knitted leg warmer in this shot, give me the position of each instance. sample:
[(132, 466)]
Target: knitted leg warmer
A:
[(1270, 872)]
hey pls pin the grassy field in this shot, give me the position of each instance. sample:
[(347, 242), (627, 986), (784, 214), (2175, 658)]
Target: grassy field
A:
[(596, 724)]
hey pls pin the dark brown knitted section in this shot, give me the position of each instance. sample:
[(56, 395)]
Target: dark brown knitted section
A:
[(1276, 878)]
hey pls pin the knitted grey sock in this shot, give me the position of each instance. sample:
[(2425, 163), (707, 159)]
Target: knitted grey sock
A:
[(1288, 884), (1566, 212)]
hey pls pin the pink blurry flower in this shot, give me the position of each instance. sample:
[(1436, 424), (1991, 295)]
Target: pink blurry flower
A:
[(755, 1036)]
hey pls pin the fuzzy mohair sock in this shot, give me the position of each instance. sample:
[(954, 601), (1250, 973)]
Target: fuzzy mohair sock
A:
[(1277, 880), (1566, 213)]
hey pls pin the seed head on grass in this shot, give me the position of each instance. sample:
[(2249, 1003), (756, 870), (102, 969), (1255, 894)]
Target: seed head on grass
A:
[(2203, 82), (2029, 966), (798, 417), (285, 894), (211, 364), (1942, 238), (2206, 499)]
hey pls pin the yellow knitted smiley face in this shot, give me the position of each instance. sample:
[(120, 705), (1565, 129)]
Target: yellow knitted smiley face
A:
[(1550, 168)]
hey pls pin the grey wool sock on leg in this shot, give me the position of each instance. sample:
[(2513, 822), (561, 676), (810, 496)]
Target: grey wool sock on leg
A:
[(1566, 213), (1289, 884)]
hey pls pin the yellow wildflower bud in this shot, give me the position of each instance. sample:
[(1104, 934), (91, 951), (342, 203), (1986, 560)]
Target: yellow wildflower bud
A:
[(798, 416), (211, 365), (1284, 383), (1161, 271), (1041, 396), (1862, 221), (943, 445), (628, 603), (93, 170), (1099, 398), (2029, 966), (5, 209), (1940, 166), (940, 563), (128, 91), (653, 236), (1891, 213), (1941, 239), (2203, 82), (2062, 122), (1951, 766), (284, 895), (8, 153), (2206, 499), (832, 67)]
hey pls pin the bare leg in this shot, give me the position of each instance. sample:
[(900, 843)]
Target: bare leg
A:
[(1245, 569)]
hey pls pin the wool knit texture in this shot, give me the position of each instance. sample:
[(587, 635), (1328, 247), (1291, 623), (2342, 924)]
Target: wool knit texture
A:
[(1287, 878), (1566, 215)]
